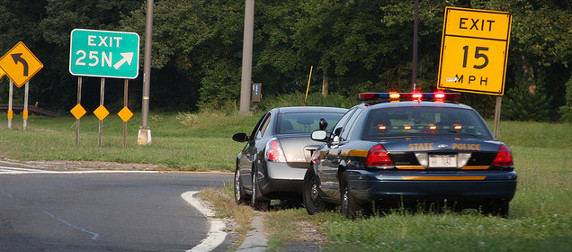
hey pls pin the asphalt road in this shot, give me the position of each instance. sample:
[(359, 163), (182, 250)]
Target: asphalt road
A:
[(72, 211)]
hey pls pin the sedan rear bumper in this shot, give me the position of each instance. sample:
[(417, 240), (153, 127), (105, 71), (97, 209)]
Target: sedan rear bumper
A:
[(281, 178)]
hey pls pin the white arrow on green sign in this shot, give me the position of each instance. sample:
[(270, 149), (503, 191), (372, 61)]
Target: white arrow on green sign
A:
[(107, 54)]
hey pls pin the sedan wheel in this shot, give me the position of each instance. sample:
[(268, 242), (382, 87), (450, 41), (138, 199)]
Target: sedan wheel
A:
[(312, 200), (257, 200), (239, 194)]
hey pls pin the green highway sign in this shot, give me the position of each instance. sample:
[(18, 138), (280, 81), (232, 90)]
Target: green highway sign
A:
[(107, 54)]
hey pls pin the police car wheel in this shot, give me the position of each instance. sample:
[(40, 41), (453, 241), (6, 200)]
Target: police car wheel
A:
[(312, 200), (349, 207)]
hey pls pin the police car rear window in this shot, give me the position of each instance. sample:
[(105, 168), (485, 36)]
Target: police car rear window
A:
[(425, 121)]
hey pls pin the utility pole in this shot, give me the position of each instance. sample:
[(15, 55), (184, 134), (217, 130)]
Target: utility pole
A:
[(247, 57), (144, 135), (415, 35)]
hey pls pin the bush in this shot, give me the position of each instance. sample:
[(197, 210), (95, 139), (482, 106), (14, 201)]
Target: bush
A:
[(521, 105), (566, 110), (314, 99)]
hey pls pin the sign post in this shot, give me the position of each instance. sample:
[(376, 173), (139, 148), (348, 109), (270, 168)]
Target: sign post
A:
[(105, 54), (10, 103), (20, 64), (474, 53)]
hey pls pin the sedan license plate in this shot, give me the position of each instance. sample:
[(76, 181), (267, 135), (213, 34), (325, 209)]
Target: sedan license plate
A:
[(443, 161)]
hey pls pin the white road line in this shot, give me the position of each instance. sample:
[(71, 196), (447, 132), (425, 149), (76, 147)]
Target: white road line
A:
[(216, 234), (20, 170), (94, 237)]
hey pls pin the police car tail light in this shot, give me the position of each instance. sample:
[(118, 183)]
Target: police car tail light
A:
[(274, 151), (503, 157), (378, 156)]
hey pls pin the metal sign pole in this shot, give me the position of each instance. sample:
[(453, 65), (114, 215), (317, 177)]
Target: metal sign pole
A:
[(10, 111), (125, 101), (25, 111), (79, 80), (101, 99), (497, 116)]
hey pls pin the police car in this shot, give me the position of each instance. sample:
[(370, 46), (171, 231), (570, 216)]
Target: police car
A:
[(411, 150)]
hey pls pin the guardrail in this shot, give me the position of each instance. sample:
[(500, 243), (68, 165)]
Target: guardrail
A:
[(31, 109)]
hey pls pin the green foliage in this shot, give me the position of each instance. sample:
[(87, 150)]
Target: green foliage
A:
[(299, 99), (358, 46), (522, 105), (566, 110)]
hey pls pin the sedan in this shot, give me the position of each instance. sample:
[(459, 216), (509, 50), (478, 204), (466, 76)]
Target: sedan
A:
[(277, 153), (419, 154)]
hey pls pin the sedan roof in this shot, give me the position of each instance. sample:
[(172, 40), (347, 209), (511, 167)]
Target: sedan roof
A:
[(302, 109)]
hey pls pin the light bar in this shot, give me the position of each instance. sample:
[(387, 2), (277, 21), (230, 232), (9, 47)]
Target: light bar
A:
[(414, 96)]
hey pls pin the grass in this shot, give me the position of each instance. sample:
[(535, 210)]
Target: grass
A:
[(540, 216), (180, 141), (222, 200)]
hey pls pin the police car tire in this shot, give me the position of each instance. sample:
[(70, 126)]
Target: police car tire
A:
[(349, 207), (499, 208), (312, 200), (257, 201)]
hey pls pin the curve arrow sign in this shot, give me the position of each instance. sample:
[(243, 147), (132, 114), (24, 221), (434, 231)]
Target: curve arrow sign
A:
[(18, 58)]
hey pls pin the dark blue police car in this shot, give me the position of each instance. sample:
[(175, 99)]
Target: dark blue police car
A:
[(396, 153)]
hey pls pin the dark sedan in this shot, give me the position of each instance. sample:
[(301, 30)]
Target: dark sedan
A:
[(278, 153), (410, 154)]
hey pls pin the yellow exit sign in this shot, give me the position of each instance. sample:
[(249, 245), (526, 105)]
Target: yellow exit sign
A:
[(474, 50)]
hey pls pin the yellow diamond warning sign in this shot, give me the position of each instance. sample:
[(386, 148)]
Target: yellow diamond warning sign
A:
[(125, 114), (78, 111), (101, 112), (20, 64)]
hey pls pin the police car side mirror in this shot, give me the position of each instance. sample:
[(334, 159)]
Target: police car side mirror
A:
[(320, 135), (240, 137)]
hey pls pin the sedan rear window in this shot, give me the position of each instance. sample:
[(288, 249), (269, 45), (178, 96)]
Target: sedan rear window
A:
[(294, 123), (425, 121)]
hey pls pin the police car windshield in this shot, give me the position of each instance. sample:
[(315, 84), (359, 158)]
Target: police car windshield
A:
[(295, 123), (425, 121)]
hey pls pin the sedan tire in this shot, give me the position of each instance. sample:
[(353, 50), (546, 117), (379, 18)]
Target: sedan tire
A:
[(239, 195), (257, 200)]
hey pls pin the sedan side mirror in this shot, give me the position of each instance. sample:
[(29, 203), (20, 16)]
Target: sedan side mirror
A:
[(240, 137), (319, 135), (323, 124)]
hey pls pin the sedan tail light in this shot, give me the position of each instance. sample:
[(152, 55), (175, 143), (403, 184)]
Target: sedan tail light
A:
[(503, 157), (274, 151), (378, 156)]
